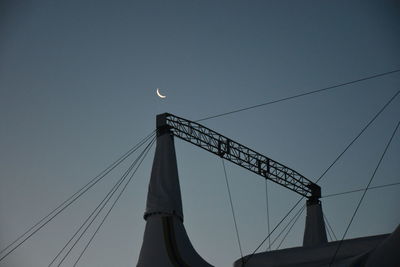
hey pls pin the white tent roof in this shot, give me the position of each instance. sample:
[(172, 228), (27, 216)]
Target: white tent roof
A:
[(165, 241), (164, 195), (371, 251)]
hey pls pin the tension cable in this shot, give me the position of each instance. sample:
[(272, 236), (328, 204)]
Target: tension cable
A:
[(56, 211), (295, 221), (300, 95), (232, 209), (112, 206), (95, 213), (330, 166), (361, 189), (364, 193)]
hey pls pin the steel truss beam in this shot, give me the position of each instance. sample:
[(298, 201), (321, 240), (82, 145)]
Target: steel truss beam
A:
[(238, 154)]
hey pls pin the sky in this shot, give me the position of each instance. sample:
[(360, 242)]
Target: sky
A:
[(78, 86)]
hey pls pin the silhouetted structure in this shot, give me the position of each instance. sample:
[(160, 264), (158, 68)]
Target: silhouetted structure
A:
[(165, 241)]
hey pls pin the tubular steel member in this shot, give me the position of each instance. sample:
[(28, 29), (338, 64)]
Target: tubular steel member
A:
[(201, 136), (238, 154)]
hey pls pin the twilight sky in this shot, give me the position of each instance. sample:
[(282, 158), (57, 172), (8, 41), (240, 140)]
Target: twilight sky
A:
[(77, 90)]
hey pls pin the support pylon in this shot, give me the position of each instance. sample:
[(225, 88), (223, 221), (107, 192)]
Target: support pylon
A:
[(165, 241)]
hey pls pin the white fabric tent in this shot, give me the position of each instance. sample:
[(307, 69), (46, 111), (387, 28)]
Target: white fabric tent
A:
[(371, 251), (165, 241)]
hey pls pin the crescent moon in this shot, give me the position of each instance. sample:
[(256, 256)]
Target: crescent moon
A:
[(159, 94)]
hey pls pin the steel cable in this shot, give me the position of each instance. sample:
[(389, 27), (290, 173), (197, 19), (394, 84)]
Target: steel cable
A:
[(232, 209), (361, 189), (300, 95), (112, 206), (290, 229), (330, 166), (60, 208), (287, 225), (96, 211), (364, 193), (330, 227)]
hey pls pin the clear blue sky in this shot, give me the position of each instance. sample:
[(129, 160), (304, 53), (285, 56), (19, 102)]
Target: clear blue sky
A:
[(77, 89)]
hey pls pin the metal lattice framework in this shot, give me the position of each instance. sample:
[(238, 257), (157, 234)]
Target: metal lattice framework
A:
[(238, 154)]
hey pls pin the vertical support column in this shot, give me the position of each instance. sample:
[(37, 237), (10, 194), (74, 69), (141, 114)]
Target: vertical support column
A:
[(164, 195), (165, 241), (314, 232)]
